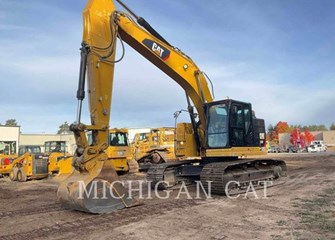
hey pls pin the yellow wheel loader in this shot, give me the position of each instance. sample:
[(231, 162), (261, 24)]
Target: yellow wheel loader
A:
[(31, 164), (216, 141)]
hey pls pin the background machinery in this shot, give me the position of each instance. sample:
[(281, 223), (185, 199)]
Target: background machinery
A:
[(219, 134), (154, 147), (31, 164), (65, 166), (56, 151), (119, 150), (7, 155)]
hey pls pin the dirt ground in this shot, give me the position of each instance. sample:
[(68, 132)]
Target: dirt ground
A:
[(301, 208)]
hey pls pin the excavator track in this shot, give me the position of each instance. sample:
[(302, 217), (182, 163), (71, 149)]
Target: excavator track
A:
[(165, 172), (228, 177), (235, 177), (133, 166)]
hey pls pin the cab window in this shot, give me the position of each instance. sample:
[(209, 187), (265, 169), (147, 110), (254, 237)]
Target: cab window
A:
[(240, 122), (118, 139), (217, 129)]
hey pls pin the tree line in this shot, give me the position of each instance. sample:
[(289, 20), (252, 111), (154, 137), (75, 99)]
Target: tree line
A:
[(63, 128), (10, 122), (297, 131)]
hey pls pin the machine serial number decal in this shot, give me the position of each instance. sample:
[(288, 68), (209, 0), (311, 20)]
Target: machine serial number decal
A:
[(158, 49)]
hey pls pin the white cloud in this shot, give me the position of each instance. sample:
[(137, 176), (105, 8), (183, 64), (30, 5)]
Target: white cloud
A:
[(273, 98), (41, 65)]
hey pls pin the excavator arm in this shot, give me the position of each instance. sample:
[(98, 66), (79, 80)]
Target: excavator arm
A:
[(97, 60), (94, 187)]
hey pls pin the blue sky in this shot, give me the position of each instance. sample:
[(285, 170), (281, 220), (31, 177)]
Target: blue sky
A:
[(278, 55)]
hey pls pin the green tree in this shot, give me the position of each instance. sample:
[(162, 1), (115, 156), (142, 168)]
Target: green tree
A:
[(315, 127), (11, 122), (64, 128), (301, 128), (332, 127)]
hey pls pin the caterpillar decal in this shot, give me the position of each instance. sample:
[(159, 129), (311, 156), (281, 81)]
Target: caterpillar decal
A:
[(158, 49)]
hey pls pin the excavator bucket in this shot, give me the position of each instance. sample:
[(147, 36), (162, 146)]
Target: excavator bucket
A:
[(98, 191)]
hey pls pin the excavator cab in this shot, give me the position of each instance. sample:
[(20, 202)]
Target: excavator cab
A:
[(232, 124)]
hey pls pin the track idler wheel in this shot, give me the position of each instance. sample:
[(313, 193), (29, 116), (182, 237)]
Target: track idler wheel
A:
[(97, 191)]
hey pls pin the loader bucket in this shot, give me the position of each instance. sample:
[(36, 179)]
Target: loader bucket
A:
[(99, 192)]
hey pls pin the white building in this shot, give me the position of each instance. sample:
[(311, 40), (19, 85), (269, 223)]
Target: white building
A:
[(9, 139), (40, 139)]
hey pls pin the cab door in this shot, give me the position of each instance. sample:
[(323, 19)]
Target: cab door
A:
[(240, 124)]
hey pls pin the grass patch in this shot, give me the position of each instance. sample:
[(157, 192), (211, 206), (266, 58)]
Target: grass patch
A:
[(318, 213), (281, 223)]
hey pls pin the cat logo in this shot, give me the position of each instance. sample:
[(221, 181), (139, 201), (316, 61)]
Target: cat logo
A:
[(158, 49)]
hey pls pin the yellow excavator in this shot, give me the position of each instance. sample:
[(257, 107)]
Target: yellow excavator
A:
[(218, 136)]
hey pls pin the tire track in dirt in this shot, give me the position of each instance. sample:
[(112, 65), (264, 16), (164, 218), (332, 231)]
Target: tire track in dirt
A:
[(32, 211), (125, 216)]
